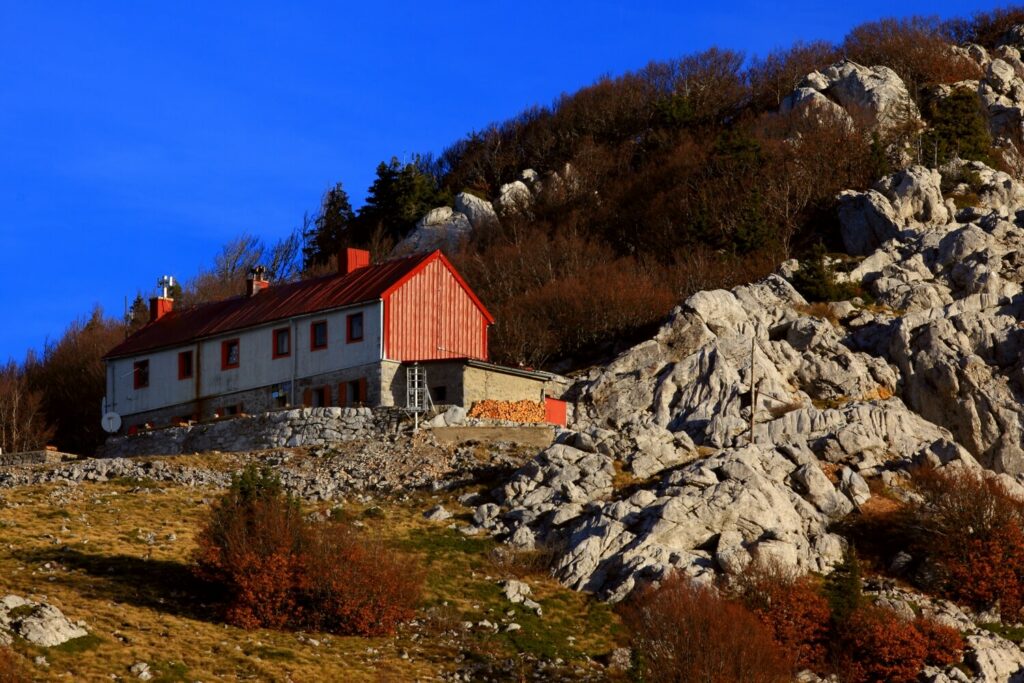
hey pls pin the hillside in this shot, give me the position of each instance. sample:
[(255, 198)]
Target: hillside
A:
[(586, 220), (791, 294)]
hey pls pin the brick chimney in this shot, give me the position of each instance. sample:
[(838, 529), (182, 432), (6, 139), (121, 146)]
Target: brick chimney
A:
[(352, 259), (256, 281), (162, 304), (159, 306)]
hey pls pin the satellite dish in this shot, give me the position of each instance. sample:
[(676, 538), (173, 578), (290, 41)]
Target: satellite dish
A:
[(111, 422)]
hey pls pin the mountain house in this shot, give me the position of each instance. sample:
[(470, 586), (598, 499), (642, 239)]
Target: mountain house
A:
[(340, 340)]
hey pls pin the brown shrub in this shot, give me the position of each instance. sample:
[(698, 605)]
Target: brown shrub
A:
[(876, 645), (914, 47), (794, 610), (775, 76), (944, 645), (12, 667), (280, 570), (683, 632), (985, 28), (970, 528), (354, 587)]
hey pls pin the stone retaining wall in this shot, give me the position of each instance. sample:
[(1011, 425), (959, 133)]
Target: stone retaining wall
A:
[(285, 428), (33, 458)]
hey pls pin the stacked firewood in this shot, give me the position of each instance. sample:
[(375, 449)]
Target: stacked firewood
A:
[(515, 411)]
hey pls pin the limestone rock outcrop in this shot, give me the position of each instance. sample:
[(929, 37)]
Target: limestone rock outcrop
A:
[(753, 420), (441, 228), (850, 90), (39, 623)]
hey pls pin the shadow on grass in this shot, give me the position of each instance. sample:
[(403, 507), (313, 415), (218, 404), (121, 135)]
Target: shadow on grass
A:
[(161, 585)]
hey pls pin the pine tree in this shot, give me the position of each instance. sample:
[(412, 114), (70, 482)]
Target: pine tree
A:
[(956, 128), (400, 195), (330, 230), (843, 586)]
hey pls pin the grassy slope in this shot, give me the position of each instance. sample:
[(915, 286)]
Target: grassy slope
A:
[(101, 553)]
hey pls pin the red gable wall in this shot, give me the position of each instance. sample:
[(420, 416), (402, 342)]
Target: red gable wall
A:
[(432, 314)]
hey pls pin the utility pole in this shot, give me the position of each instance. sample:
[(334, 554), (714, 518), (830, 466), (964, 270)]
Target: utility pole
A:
[(753, 389)]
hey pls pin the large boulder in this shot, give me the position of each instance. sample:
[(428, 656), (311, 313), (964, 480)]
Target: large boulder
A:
[(479, 212), (40, 624), (876, 93), (908, 198), (515, 197), (441, 228)]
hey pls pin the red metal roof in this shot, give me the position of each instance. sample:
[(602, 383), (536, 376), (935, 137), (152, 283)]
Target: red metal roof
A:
[(277, 302)]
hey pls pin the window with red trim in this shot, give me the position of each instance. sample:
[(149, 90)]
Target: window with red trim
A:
[(318, 335), (185, 365), (354, 328), (321, 397), (355, 391), (140, 374), (282, 342), (229, 354)]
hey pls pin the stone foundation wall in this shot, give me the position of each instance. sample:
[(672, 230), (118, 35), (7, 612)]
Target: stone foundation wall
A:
[(284, 428)]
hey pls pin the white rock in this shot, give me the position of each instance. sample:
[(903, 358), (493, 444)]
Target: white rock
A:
[(479, 212)]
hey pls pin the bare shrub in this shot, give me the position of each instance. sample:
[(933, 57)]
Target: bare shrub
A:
[(914, 47), (23, 426), (984, 28), (773, 77), (683, 632), (71, 380)]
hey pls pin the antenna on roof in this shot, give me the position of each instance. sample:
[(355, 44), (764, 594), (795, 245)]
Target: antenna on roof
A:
[(165, 284)]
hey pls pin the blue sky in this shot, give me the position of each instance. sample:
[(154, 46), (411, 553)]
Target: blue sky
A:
[(137, 137)]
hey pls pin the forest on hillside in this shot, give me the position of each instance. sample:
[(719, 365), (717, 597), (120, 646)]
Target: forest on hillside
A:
[(677, 177)]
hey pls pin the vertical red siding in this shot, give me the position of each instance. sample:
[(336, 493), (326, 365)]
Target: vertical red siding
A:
[(431, 316)]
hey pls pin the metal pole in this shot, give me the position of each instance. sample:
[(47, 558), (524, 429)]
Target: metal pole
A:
[(753, 393)]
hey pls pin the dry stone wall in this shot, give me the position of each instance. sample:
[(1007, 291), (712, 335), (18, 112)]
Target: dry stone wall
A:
[(286, 428)]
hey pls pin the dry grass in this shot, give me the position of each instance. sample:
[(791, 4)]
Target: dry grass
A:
[(819, 310), (103, 553)]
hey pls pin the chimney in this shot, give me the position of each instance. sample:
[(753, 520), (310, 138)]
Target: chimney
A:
[(256, 281), (159, 306), (162, 304), (352, 259)]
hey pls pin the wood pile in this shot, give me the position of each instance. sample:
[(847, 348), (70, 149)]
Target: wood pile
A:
[(515, 411)]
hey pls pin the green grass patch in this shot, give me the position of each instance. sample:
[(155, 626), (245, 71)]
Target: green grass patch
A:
[(169, 672), (274, 653), (1012, 633), (77, 645), (375, 512), (20, 612)]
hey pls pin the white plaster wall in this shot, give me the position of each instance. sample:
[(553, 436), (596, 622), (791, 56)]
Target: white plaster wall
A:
[(257, 366)]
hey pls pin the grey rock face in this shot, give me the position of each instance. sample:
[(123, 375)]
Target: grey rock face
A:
[(441, 228), (515, 197), (876, 92), (665, 473), (479, 212), (41, 624)]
